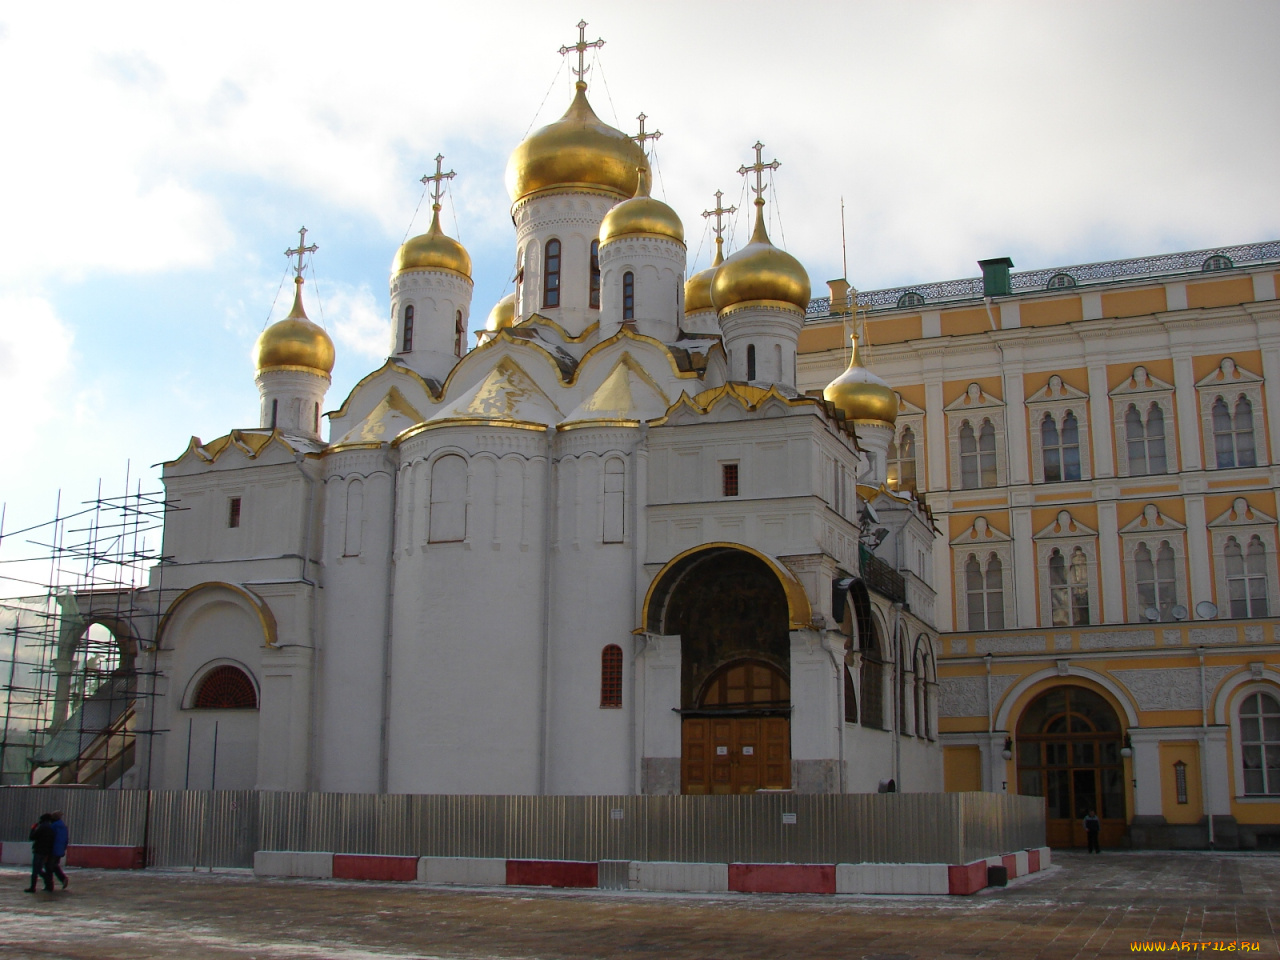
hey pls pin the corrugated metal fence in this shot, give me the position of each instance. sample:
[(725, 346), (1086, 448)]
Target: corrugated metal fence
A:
[(224, 828)]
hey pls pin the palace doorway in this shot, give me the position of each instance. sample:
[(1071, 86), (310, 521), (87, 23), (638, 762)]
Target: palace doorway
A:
[(738, 738), (1069, 741)]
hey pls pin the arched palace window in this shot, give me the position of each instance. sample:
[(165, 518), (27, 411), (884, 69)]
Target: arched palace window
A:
[(984, 593), (1233, 433), (1260, 744), (1145, 442), (977, 455)]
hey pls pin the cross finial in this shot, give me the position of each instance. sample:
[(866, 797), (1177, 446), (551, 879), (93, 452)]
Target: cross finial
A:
[(758, 168), (719, 213), (299, 251), (641, 137), (582, 47), (437, 180)]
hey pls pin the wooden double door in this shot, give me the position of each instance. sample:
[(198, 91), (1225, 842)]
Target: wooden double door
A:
[(735, 754)]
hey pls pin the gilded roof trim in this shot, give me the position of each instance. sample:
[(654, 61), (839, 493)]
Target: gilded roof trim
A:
[(396, 367), (265, 617), (625, 334), (411, 432)]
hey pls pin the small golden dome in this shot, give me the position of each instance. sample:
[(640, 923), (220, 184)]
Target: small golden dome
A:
[(432, 251), (697, 289), (503, 314), (861, 394), (760, 271), (578, 150), (642, 216), (295, 342)]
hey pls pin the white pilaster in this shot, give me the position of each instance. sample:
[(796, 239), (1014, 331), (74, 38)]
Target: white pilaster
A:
[(1109, 564), (1015, 411), (1184, 384), (1024, 567), (1100, 422), (1198, 554), (935, 427)]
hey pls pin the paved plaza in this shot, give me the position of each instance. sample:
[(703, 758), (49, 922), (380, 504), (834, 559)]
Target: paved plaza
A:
[(1192, 903)]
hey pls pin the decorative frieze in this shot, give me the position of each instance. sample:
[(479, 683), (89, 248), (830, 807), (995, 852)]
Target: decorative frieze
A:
[(1117, 639), (1162, 688)]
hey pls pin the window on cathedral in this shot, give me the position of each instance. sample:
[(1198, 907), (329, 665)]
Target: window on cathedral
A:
[(226, 688), (1061, 449), (751, 361), (615, 500), (551, 275), (611, 676), (902, 461), (850, 697), (977, 455), (448, 521), (1069, 588), (353, 530), (406, 334), (628, 296), (871, 701), (459, 335), (1145, 442), (1233, 433), (984, 593), (1260, 744), (1246, 577), (315, 417), (595, 275), (729, 479), (1156, 578), (275, 412), (233, 512)]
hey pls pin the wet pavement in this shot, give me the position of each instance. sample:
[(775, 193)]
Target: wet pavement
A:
[(1117, 904)]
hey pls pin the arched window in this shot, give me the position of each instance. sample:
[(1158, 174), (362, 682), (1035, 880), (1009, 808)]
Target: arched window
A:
[(595, 275), (968, 457), (751, 361), (987, 454), (551, 275), (459, 335), (448, 521), (1246, 578), (226, 688), (850, 697), (984, 593), (1069, 588), (406, 332), (1217, 262), (902, 461), (611, 676), (1260, 744), (354, 527), (1061, 450), (911, 299), (628, 296), (1060, 281), (615, 500), (1233, 435), (1157, 582), (1145, 443)]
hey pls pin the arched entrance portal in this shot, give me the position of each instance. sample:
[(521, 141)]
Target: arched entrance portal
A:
[(733, 610), (1069, 741)]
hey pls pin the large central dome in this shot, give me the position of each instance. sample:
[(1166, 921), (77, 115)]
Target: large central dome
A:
[(578, 150)]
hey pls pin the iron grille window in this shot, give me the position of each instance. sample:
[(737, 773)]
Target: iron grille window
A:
[(1180, 780), (611, 676), (729, 479), (226, 688), (551, 275)]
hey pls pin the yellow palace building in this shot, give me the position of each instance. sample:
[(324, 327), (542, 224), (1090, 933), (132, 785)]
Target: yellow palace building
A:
[(1097, 448)]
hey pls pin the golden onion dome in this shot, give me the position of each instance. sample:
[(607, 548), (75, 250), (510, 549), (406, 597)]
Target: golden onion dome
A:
[(578, 150), (503, 314), (861, 394), (760, 272), (697, 289), (295, 342), (642, 216), (433, 251)]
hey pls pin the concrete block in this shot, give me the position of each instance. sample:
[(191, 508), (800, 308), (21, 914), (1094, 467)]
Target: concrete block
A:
[(689, 877), (898, 878), (1022, 864), (473, 871), (963, 880), (292, 863), (1044, 858), (782, 877), (106, 856), (352, 866), (613, 874), (1033, 860), (17, 853), (552, 873)]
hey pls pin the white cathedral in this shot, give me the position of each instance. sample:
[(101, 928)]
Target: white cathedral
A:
[(610, 550)]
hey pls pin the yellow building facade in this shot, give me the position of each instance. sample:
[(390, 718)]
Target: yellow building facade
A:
[(1100, 449)]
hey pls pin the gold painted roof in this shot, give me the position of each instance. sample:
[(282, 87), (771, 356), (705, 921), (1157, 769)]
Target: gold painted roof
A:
[(295, 342), (760, 272), (697, 289), (642, 216), (578, 150), (861, 394), (433, 250), (503, 314)]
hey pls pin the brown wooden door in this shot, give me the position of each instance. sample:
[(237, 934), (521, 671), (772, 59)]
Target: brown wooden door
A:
[(735, 754)]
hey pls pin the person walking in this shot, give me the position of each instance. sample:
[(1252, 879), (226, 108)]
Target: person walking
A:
[(42, 837), (1091, 827), (60, 837)]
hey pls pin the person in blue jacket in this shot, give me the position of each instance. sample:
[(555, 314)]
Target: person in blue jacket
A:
[(59, 851)]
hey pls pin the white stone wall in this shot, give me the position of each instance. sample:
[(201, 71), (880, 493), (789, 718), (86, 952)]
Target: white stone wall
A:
[(437, 297), (573, 218)]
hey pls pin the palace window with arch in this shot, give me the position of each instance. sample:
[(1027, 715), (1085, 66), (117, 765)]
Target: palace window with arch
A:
[(982, 560), (1143, 412), (1259, 730), (551, 274), (984, 592), (1067, 568), (903, 459), (1231, 405), (1244, 553), (976, 441), (1155, 560), (1060, 447)]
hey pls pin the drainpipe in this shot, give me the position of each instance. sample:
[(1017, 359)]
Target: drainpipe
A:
[(639, 487), (1204, 743), (384, 734), (316, 628), (897, 698), (550, 494)]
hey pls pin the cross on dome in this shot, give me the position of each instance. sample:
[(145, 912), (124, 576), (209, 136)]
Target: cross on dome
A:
[(641, 137), (298, 252), (758, 168), (582, 47), (437, 180), (719, 213)]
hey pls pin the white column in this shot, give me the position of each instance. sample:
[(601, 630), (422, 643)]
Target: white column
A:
[(1271, 377), (1100, 422), (1146, 774), (1198, 553), (1184, 383), (935, 428), (943, 608), (1213, 754), (1109, 563), (1015, 411), (816, 721), (1024, 567), (658, 679)]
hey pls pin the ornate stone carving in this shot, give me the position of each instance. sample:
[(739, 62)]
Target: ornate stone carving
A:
[(1161, 688), (1021, 644), (1111, 639), (1212, 635), (967, 696)]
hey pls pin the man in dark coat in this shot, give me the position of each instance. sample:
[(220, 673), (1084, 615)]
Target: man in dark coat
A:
[(60, 836), (1091, 827), (42, 837)]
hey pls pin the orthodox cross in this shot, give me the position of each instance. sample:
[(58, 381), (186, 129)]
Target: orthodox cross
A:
[(299, 250), (582, 47), (719, 213), (641, 137), (437, 180), (758, 168)]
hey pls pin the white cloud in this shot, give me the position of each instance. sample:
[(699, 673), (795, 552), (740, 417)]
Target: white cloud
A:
[(356, 320), (35, 360)]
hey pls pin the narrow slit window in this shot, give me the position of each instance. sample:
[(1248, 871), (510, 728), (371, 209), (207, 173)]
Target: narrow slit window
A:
[(628, 296), (551, 275), (459, 335), (233, 512), (611, 677), (751, 361), (595, 275), (729, 479), (1180, 780), (406, 335)]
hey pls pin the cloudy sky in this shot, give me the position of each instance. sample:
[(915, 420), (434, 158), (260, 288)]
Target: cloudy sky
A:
[(159, 159)]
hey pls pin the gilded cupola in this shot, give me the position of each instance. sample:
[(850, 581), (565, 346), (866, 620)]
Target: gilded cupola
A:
[(433, 250), (503, 314), (642, 216), (861, 394), (760, 273), (295, 342), (578, 150)]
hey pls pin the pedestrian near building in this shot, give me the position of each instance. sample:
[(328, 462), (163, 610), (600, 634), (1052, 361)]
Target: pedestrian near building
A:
[(60, 837), (42, 838), (1091, 827)]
